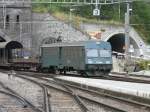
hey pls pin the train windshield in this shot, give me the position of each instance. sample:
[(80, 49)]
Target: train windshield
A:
[(92, 53), (105, 53)]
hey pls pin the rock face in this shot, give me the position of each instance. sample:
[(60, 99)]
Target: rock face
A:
[(47, 27)]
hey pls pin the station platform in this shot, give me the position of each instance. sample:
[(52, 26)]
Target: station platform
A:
[(129, 88), (141, 73)]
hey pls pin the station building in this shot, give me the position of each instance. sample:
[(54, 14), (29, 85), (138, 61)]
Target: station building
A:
[(15, 21), (15, 28)]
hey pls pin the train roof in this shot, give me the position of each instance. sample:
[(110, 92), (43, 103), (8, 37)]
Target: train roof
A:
[(76, 43)]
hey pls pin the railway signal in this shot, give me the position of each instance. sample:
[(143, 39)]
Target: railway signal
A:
[(96, 12)]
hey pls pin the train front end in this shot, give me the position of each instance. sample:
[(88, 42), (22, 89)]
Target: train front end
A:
[(98, 57)]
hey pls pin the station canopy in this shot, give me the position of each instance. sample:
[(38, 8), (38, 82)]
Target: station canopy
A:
[(10, 45)]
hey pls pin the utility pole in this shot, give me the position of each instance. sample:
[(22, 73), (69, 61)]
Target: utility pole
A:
[(127, 30), (127, 37), (96, 6), (4, 16), (96, 11), (119, 12), (20, 32)]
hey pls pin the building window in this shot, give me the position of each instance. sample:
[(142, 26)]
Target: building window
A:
[(18, 19), (7, 20)]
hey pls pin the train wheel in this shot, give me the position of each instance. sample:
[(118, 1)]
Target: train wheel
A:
[(57, 72), (64, 72), (83, 73)]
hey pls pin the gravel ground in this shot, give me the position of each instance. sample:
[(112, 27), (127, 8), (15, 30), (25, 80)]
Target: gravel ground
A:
[(9, 104), (30, 91)]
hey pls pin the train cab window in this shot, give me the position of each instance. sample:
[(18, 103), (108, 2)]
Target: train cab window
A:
[(92, 53), (105, 53)]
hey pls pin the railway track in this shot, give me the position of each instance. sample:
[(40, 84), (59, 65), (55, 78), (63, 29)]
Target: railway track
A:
[(45, 92), (112, 76), (59, 101), (8, 85), (86, 104), (62, 99), (10, 101), (97, 100), (128, 78), (116, 101), (88, 101)]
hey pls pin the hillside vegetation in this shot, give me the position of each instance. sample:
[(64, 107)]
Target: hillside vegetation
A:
[(110, 14)]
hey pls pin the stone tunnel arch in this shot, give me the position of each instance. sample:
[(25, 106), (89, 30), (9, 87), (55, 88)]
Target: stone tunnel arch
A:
[(4, 37), (117, 42), (48, 40)]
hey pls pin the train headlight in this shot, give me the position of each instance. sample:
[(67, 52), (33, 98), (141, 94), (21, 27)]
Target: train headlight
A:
[(90, 61), (99, 62)]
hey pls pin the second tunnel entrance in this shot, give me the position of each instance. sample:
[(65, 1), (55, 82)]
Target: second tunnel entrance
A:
[(118, 43)]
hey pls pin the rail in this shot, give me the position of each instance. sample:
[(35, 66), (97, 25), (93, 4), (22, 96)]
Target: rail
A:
[(83, 107), (14, 94), (46, 101), (68, 86), (128, 78), (67, 89), (106, 94)]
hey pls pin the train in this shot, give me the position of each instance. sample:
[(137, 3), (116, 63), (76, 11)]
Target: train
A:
[(85, 57)]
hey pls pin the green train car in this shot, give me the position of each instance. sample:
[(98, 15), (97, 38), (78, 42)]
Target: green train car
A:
[(85, 57)]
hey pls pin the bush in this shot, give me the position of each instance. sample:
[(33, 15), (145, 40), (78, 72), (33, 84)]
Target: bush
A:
[(143, 65)]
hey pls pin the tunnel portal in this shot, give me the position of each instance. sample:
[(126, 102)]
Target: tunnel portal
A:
[(117, 42)]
